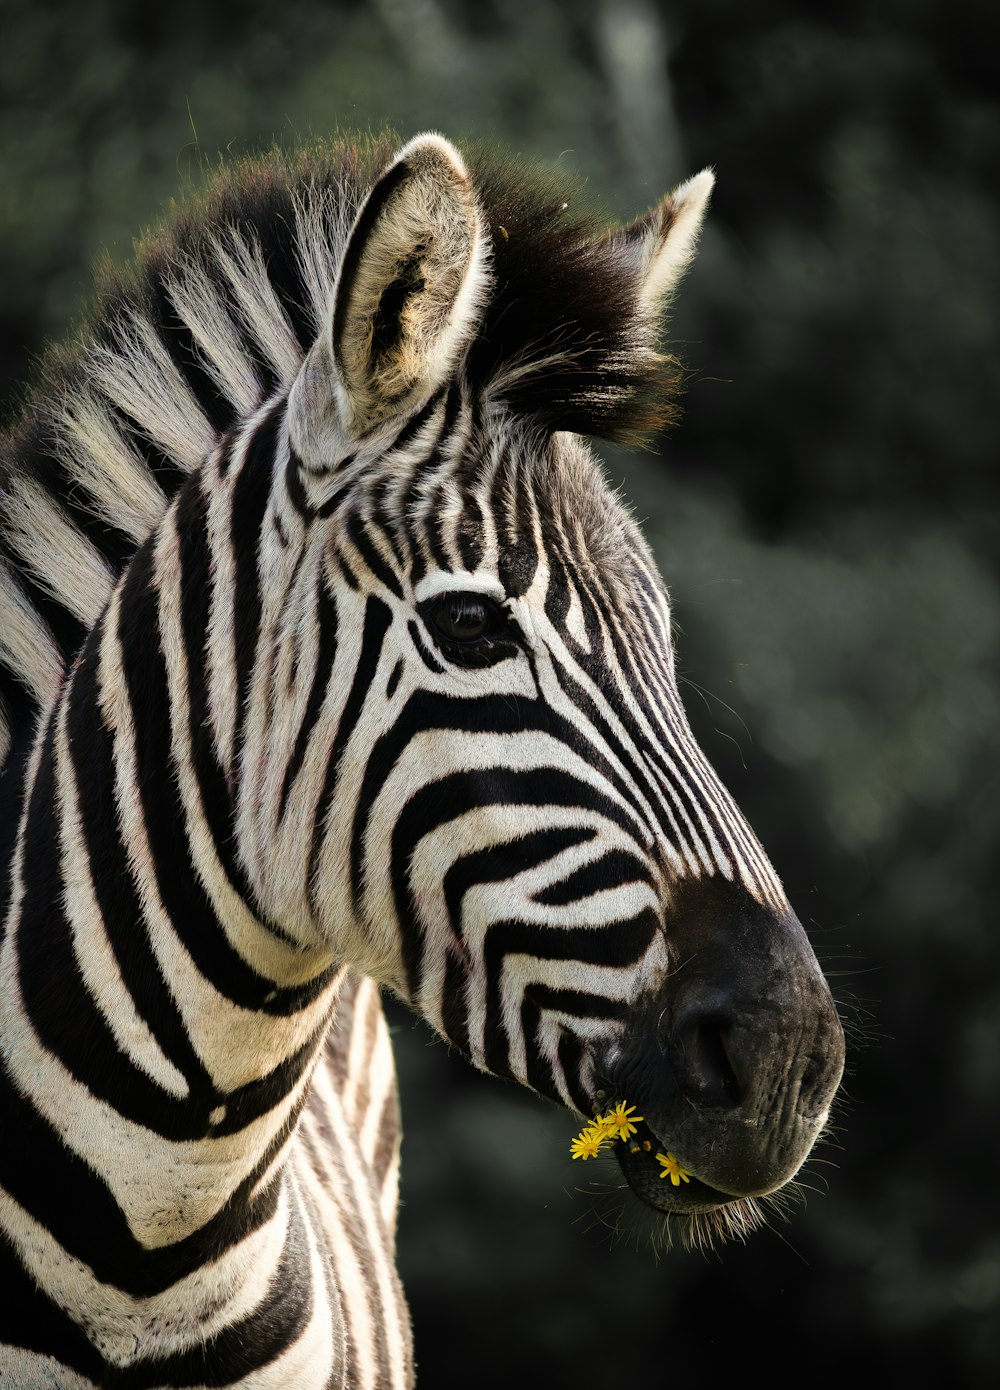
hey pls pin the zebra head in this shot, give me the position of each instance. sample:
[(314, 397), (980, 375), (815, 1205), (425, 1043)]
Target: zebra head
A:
[(478, 783)]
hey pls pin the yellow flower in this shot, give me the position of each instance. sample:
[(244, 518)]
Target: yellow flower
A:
[(672, 1169), (605, 1126), (588, 1144), (621, 1120), (617, 1124)]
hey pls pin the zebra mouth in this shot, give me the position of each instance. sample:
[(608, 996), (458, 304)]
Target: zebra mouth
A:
[(660, 1179)]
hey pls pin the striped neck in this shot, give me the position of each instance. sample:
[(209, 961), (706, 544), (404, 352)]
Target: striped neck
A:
[(146, 1010)]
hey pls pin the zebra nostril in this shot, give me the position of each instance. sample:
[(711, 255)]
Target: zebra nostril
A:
[(702, 1052)]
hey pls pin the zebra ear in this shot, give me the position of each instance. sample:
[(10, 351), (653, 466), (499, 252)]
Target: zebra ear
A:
[(662, 243), (411, 285)]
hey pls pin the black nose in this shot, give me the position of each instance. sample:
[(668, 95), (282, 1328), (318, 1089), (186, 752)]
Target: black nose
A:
[(704, 1049)]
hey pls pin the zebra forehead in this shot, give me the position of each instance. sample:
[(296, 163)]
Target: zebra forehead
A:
[(548, 503), (558, 498)]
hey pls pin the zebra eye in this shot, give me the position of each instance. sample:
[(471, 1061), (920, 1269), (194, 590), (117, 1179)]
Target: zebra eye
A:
[(466, 617)]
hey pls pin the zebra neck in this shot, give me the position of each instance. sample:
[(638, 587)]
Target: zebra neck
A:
[(145, 1008)]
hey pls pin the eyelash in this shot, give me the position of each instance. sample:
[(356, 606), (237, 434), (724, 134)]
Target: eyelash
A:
[(489, 631)]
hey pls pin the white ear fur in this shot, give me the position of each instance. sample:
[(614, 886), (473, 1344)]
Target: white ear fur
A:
[(411, 284), (663, 242)]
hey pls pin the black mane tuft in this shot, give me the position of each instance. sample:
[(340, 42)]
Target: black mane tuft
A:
[(561, 333)]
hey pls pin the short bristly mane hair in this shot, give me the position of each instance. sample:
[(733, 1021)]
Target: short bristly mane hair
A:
[(217, 311)]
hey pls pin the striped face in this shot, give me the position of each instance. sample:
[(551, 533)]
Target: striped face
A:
[(517, 793), (467, 767)]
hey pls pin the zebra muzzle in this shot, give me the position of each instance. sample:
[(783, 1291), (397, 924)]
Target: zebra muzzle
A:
[(734, 1061)]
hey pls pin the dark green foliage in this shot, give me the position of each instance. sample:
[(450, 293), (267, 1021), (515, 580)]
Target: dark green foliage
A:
[(826, 517)]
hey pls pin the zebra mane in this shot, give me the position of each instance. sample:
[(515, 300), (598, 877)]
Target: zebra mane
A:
[(216, 312)]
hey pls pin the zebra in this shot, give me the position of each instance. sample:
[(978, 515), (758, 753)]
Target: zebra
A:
[(331, 664)]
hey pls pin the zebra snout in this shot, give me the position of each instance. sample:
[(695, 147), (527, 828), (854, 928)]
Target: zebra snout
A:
[(735, 1059)]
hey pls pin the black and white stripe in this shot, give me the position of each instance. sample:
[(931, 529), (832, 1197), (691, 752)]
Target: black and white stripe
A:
[(252, 774)]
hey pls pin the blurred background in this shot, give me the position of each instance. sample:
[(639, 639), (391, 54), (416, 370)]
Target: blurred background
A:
[(826, 515)]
